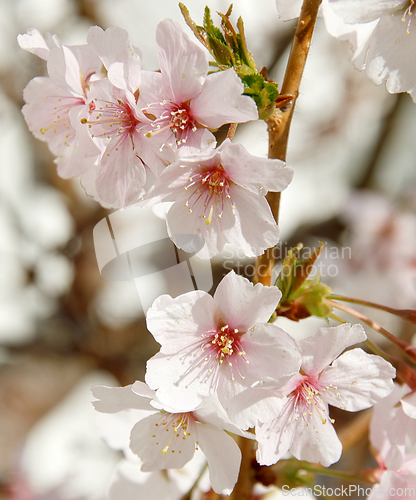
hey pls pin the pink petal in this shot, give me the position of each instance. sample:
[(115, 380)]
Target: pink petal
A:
[(122, 175), (183, 64), (33, 42), (113, 47), (409, 405), (220, 101)]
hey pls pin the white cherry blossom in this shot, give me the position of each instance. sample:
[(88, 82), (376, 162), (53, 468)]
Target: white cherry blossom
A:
[(164, 438), (353, 381), (220, 196), (221, 344)]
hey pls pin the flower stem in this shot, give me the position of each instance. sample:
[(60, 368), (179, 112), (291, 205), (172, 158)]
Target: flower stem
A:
[(332, 473), (279, 124), (406, 314), (188, 495), (231, 131), (408, 349)]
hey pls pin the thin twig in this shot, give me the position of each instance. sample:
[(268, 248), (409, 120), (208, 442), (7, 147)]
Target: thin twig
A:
[(278, 126)]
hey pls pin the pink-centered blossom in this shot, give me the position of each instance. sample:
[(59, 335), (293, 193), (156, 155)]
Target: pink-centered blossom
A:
[(184, 99), (353, 381), (221, 344), (55, 103), (117, 125), (220, 196), (164, 438)]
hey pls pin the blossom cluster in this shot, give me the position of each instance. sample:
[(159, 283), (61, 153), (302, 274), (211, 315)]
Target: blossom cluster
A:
[(128, 132), (223, 367)]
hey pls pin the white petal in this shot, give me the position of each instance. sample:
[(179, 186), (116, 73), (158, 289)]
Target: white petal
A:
[(360, 379), (316, 441), (409, 405), (162, 446), (223, 456), (363, 11), (391, 56), (258, 175), (254, 229), (335, 339), (243, 304), (220, 101), (114, 399), (275, 438), (177, 323), (289, 9)]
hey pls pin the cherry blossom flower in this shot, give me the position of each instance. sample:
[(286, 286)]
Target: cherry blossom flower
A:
[(392, 435), (116, 123), (353, 381), (183, 99), (387, 33), (53, 104), (219, 344), (164, 438), (221, 196)]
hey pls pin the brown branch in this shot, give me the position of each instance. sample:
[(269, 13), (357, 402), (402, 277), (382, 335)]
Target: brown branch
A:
[(246, 478), (279, 125)]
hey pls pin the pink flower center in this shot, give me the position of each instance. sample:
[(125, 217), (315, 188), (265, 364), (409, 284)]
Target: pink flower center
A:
[(224, 345), (307, 398), (176, 117), (172, 430), (111, 118), (211, 188)]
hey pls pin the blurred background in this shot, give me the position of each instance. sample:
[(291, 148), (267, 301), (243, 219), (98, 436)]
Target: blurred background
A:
[(63, 328)]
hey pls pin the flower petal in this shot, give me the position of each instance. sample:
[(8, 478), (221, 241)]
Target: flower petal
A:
[(243, 304), (183, 64), (335, 339), (178, 323), (162, 446), (364, 11), (223, 456), (275, 438), (115, 399), (358, 380), (315, 440), (220, 101)]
